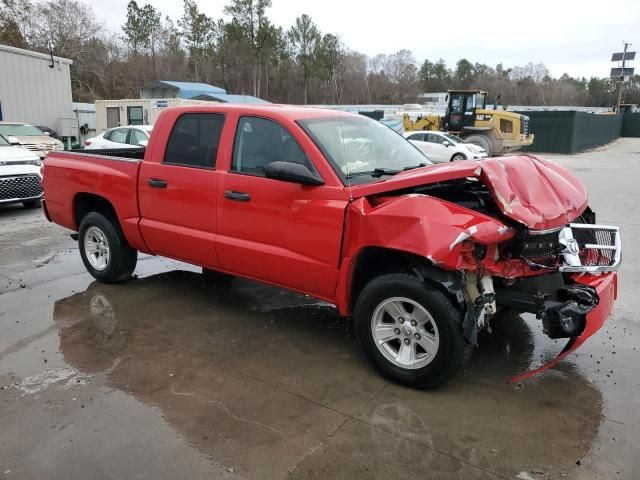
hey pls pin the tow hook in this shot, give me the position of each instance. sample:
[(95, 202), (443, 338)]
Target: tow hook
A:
[(567, 319)]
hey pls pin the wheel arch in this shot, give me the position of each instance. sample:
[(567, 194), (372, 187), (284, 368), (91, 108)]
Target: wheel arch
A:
[(371, 262), (84, 203)]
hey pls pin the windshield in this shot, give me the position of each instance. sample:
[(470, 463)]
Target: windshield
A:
[(3, 141), (358, 146), (20, 131)]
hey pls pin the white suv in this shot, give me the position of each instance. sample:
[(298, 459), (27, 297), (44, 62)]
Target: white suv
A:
[(20, 178)]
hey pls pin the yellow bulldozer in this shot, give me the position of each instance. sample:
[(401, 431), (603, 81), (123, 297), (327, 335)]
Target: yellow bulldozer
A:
[(497, 131)]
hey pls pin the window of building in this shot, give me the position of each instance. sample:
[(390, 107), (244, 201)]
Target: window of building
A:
[(135, 116)]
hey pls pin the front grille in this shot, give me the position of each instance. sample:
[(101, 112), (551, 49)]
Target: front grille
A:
[(578, 247), (21, 186), (34, 148), (598, 247), (541, 249)]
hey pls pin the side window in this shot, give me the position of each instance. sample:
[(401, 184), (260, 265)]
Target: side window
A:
[(260, 142), (119, 135), (456, 103), (136, 137), (194, 140), (416, 136)]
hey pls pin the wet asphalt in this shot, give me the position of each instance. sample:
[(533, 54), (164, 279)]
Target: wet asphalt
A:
[(168, 376)]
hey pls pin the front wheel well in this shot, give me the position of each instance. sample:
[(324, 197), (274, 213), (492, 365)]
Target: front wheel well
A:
[(84, 203), (372, 262)]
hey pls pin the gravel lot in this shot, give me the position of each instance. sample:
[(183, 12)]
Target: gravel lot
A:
[(165, 377)]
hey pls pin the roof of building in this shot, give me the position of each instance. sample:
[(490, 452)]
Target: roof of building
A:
[(230, 98), (30, 53), (186, 89)]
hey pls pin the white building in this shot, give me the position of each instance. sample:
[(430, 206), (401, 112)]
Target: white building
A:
[(35, 88)]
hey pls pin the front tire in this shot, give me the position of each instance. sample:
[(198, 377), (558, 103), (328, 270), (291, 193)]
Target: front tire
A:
[(411, 333), (458, 157), (104, 250)]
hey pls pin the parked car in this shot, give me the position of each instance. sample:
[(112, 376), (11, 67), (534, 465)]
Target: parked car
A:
[(49, 131), (120, 137), (29, 137), (340, 207), (20, 180), (444, 147)]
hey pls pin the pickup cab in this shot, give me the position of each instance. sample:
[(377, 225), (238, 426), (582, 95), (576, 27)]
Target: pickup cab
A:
[(340, 207)]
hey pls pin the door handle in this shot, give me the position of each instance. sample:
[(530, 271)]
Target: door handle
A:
[(237, 196), (157, 183)]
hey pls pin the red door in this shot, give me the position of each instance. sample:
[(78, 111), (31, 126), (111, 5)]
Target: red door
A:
[(178, 191), (280, 232)]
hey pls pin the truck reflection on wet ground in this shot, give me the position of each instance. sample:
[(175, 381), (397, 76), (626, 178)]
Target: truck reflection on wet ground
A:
[(250, 368)]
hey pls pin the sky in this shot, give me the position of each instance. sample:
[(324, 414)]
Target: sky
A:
[(568, 36)]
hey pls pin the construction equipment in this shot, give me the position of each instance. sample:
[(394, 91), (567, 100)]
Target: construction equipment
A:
[(497, 131)]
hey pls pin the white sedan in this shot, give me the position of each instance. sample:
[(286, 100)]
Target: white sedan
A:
[(443, 147), (121, 137)]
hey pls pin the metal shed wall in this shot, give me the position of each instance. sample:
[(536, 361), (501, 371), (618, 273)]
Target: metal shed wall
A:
[(31, 91)]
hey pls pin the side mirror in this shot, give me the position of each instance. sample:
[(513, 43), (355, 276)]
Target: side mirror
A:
[(292, 172), (446, 143), (143, 143), (13, 140), (48, 134)]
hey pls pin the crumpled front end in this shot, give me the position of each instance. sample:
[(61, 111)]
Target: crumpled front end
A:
[(514, 232)]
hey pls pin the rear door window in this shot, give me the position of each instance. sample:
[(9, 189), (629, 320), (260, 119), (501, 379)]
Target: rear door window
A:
[(194, 140)]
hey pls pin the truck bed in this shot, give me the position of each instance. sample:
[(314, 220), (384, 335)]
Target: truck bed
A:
[(111, 174)]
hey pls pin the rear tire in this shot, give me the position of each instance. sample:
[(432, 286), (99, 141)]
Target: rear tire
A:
[(481, 141), (104, 250), (423, 322), (32, 204)]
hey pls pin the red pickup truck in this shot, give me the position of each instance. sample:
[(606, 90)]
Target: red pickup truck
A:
[(340, 207)]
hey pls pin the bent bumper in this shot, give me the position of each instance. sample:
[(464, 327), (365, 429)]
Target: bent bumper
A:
[(606, 287)]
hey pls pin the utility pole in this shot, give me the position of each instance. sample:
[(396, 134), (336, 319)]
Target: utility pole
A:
[(624, 54)]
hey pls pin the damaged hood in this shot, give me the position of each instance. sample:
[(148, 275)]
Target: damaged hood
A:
[(535, 192)]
